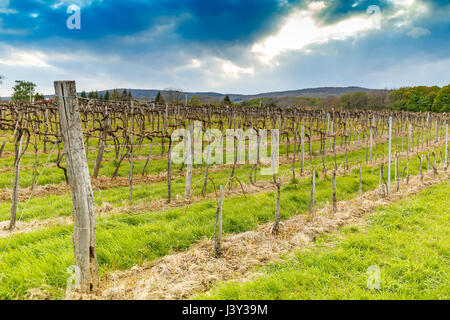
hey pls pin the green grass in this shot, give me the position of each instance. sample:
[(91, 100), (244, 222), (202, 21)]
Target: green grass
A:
[(42, 257), (409, 241), (50, 206)]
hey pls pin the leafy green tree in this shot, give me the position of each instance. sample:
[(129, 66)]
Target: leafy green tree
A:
[(83, 94), (441, 102), (227, 100), (115, 96), (23, 90), (106, 96), (39, 96), (159, 98), (194, 101)]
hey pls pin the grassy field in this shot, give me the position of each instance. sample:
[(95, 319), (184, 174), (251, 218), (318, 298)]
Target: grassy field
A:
[(408, 241), (40, 258)]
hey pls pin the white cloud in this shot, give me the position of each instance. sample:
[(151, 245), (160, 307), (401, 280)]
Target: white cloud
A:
[(301, 30), (4, 7), (231, 69), (14, 57), (418, 32)]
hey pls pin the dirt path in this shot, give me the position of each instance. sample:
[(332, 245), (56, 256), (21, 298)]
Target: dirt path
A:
[(179, 275)]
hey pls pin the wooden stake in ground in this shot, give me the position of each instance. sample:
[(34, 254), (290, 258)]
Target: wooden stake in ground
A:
[(84, 237), (389, 158), (15, 198), (189, 160), (333, 185), (302, 168), (276, 226), (130, 178), (218, 226), (169, 172), (371, 138), (446, 147)]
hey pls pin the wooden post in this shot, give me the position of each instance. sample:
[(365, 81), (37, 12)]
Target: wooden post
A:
[(130, 178), (303, 148), (218, 226), (446, 147), (276, 226), (389, 157), (15, 197), (436, 133), (333, 185), (169, 172), (84, 236), (371, 138), (190, 160)]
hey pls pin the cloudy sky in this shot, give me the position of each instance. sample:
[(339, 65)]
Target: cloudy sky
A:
[(227, 46)]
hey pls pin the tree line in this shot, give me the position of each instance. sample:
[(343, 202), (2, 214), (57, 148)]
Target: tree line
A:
[(414, 99)]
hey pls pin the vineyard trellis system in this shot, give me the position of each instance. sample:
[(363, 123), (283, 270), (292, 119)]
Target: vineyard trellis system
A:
[(127, 126)]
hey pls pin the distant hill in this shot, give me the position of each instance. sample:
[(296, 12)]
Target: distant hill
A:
[(215, 96)]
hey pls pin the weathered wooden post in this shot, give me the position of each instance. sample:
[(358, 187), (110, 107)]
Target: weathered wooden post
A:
[(15, 197), (389, 158), (303, 148), (189, 160), (333, 185), (436, 130), (372, 125), (446, 147), (276, 226), (218, 226), (130, 178), (84, 236)]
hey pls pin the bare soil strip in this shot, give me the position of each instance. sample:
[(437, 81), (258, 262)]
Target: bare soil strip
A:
[(179, 275)]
